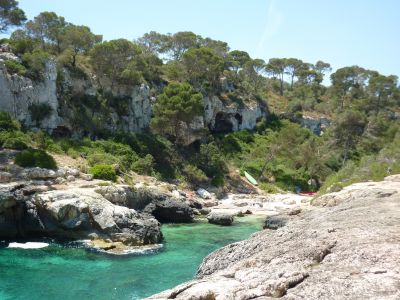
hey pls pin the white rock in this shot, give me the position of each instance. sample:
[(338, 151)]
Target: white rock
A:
[(87, 177), (203, 193)]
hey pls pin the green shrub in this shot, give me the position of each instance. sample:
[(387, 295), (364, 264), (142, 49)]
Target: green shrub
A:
[(97, 158), (7, 123), (105, 172), (15, 143), (14, 67), (35, 158), (269, 188), (35, 64), (194, 175), (218, 181), (144, 165), (39, 111)]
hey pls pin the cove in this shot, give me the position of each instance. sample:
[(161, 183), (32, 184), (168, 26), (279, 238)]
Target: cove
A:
[(59, 272)]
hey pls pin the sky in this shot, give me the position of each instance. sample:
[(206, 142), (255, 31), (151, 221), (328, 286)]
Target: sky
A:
[(341, 32)]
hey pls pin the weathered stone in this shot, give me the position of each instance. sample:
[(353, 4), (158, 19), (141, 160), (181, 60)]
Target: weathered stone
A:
[(220, 218), (72, 172), (70, 178), (5, 177), (78, 213), (87, 177), (294, 211), (40, 173), (171, 210), (347, 251), (205, 211), (60, 180), (162, 205), (275, 222)]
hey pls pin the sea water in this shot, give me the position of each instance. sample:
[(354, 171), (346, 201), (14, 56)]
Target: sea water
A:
[(60, 272)]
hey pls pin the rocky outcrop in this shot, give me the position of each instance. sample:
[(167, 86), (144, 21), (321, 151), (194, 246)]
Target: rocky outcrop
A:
[(151, 200), (76, 213), (348, 248), (227, 115), (316, 125)]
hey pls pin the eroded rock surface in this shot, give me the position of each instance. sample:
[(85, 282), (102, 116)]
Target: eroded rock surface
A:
[(27, 210), (224, 219), (347, 249)]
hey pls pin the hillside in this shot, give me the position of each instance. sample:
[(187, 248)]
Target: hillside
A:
[(188, 108)]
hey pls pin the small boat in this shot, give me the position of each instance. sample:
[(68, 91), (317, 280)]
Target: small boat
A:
[(250, 178), (307, 193)]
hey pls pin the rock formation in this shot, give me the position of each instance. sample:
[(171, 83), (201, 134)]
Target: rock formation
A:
[(151, 200), (348, 247), (28, 209), (224, 219)]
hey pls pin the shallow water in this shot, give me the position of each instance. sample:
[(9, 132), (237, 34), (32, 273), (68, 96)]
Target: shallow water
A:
[(57, 272)]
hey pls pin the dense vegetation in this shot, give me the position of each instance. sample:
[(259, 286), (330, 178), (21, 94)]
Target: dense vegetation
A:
[(180, 69)]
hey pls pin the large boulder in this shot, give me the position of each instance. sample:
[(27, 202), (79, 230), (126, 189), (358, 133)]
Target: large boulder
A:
[(220, 218), (81, 213), (276, 221), (171, 211)]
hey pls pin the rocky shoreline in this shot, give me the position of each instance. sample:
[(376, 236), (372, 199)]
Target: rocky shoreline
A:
[(346, 247), (67, 204)]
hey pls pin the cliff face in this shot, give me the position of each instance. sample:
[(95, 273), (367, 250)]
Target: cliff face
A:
[(18, 93), (347, 247), (129, 108)]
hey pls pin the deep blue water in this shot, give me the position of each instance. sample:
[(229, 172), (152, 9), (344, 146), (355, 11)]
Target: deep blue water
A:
[(57, 272)]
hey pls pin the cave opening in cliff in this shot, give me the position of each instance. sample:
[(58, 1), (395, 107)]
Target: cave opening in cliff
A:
[(222, 123), (61, 132), (239, 119)]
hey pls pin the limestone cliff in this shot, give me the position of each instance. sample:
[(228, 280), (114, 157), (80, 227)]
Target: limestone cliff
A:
[(76, 100)]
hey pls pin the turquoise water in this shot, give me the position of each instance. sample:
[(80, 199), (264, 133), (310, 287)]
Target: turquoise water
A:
[(58, 272)]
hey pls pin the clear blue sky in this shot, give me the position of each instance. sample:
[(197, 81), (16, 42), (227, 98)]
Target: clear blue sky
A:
[(341, 32)]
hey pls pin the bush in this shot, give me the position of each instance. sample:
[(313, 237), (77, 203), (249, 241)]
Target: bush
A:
[(15, 143), (144, 165), (14, 67), (218, 181), (105, 172), (269, 188), (39, 111), (194, 175), (35, 64), (7, 123), (97, 158), (35, 158)]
